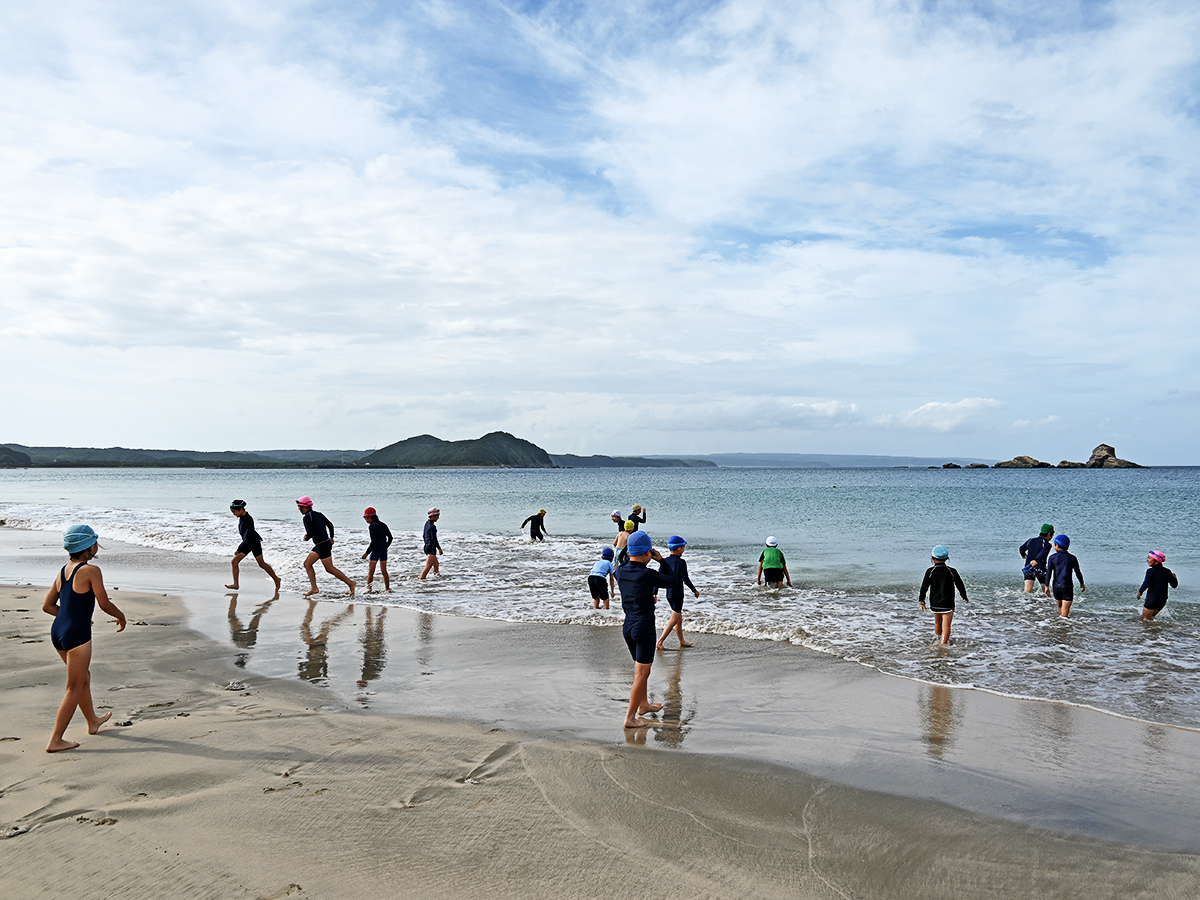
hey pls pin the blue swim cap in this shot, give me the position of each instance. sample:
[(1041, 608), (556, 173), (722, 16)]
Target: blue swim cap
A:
[(1062, 541), (607, 553), (639, 543), (940, 552), (674, 542), (78, 538)]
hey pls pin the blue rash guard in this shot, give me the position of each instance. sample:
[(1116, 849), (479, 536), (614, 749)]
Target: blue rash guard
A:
[(1159, 579), (678, 567), (1035, 550), (317, 528), (431, 542), (638, 582), (381, 539), (1059, 567), (251, 544)]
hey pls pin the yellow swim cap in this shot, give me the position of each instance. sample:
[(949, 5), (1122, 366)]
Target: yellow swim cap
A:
[(636, 507), (541, 512), (629, 526)]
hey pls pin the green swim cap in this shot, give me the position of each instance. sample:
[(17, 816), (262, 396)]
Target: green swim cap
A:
[(1047, 529)]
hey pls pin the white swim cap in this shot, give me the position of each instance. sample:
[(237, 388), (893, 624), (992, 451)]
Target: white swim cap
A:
[(771, 542)]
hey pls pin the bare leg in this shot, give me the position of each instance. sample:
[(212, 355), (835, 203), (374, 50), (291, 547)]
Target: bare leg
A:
[(937, 625), (1148, 614), (237, 558), (262, 564), (387, 582), (1064, 608), (78, 696), (679, 632), (431, 563), (312, 575), (1029, 585), (370, 574), (638, 701), (337, 573), (946, 619)]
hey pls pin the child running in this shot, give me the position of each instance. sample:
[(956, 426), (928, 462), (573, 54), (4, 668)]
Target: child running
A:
[(72, 600), (432, 548), (939, 583), (1158, 581), (1059, 567), (638, 583), (597, 585), (676, 565), (377, 550), (319, 530), (251, 545)]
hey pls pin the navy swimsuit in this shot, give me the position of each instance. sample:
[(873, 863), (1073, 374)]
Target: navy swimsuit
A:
[(73, 624)]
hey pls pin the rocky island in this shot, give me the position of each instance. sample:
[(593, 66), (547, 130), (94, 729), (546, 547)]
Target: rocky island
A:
[(1103, 457)]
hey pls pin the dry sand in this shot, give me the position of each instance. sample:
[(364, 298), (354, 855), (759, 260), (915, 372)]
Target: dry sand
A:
[(269, 792)]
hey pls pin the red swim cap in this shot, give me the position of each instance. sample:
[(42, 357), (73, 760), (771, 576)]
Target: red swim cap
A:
[(368, 512)]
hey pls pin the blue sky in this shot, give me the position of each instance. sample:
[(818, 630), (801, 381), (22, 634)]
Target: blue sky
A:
[(862, 227)]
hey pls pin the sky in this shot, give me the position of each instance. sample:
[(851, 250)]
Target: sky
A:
[(926, 228)]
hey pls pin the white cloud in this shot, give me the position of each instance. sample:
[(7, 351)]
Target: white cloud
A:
[(940, 417)]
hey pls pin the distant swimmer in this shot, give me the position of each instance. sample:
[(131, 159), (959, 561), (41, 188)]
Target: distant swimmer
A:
[(940, 583), (621, 540), (676, 565), (377, 550), (1034, 551), (1059, 567), (638, 516), (319, 530), (638, 583), (251, 545), (431, 546), (1158, 581), (598, 587), (72, 599), (772, 566), (537, 525)]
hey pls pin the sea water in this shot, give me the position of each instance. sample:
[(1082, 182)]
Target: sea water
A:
[(857, 542)]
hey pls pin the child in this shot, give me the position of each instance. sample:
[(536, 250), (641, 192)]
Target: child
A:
[(940, 582), (638, 583), (598, 587), (676, 565), (319, 530), (537, 526), (432, 548), (251, 545), (1034, 551), (1059, 567), (622, 539), (381, 539), (71, 600), (772, 566), (1159, 579), (637, 516)]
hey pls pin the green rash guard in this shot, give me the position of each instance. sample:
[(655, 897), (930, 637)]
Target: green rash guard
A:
[(772, 558)]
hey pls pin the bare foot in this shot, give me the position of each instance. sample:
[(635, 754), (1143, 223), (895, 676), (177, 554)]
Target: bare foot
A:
[(686, 644), (311, 592), (92, 729), (353, 585), (62, 745), (278, 584), (658, 646), (649, 708), (639, 723), (231, 587)]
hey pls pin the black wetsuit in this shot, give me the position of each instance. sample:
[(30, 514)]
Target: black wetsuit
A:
[(939, 583), (1035, 550), (319, 530), (1059, 567), (620, 524), (638, 583), (637, 520), (1155, 586), (381, 539), (251, 544), (536, 523), (431, 542), (678, 567)]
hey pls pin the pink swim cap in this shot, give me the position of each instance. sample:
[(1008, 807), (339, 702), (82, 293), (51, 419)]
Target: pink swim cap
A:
[(1157, 554), (434, 512), (304, 501)]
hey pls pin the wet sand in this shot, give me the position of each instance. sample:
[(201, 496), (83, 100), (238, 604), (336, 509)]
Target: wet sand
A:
[(509, 775)]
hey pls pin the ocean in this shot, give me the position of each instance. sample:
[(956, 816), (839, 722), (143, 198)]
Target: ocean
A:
[(857, 542)]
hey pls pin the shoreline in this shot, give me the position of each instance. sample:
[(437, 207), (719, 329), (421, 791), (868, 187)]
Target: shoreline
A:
[(273, 791)]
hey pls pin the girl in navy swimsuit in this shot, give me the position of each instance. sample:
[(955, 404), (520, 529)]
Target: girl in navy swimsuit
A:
[(77, 590)]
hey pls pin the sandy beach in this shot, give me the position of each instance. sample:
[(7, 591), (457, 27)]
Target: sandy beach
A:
[(509, 779)]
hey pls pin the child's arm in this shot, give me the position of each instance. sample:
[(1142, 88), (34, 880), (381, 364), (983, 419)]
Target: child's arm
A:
[(50, 604), (612, 583), (1145, 584), (962, 588), (925, 582), (1078, 573), (96, 581), (1174, 579), (387, 537), (758, 577), (787, 575)]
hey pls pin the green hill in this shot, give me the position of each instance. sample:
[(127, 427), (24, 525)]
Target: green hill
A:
[(496, 450)]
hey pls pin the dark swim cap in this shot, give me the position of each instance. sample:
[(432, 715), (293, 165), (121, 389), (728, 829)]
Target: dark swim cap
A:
[(1062, 541), (607, 553), (238, 504), (639, 543), (1047, 529)]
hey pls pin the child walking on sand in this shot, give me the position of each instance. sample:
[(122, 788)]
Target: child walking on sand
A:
[(319, 530), (940, 583), (1059, 567), (638, 583), (72, 599), (377, 550), (251, 545), (1158, 581), (597, 585), (676, 565)]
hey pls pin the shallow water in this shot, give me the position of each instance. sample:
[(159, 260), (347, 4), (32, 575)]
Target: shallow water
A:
[(857, 543)]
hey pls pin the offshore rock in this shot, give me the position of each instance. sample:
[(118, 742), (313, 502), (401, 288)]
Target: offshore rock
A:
[(951, 466), (1023, 462), (1067, 464), (978, 466), (1105, 457)]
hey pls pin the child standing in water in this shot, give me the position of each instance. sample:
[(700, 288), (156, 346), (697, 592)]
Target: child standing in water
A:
[(377, 550), (638, 583), (939, 583), (1059, 567), (319, 530), (772, 566), (1159, 579), (251, 545), (72, 599), (597, 586), (676, 565), (622, 539), (432, 548)]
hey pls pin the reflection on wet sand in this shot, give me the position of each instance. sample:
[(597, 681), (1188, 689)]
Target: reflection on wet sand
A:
[(245, 637), (374, 645), (425, 640), (939, 718), (675, 721), (314, 665), (1052, 729)]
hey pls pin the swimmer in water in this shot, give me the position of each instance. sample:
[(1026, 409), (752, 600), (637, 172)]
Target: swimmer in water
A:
[(432, 548), (675, 563), (939, 583), (620, 522), (1157, 583), (772, 566), (76, 592), (638, 583), (597, 586), (621, 540), (251, 545), (377, 550), (1060, 565), (638, 516), (537, 524), (1034, 551), (319, 530)]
